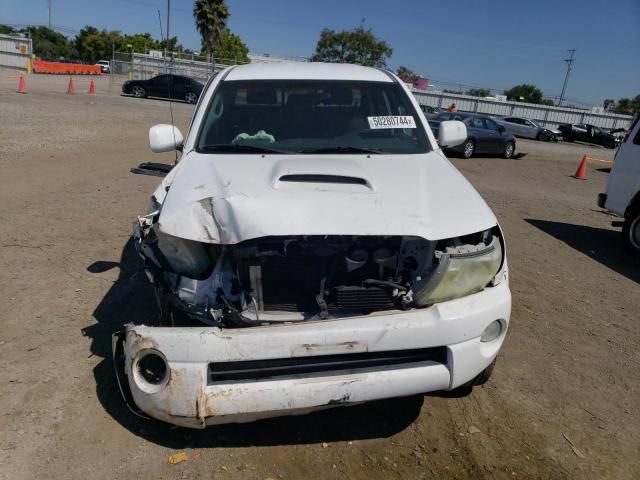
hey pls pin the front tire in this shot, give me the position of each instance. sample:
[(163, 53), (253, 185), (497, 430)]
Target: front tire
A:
[(485, 375), (509, 148), (138, 92), (631, 232), (468, 148), (482, 378)]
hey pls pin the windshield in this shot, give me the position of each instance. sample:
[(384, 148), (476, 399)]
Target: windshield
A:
[(286, 116)]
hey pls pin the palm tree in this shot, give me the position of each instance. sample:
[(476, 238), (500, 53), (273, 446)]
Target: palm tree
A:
[(211, 20)]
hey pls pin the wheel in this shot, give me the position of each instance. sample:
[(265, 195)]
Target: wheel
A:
[(190, 97), (468, 148), (484, 376), (509, 148), (611, 144), (138, 92), (545, 136), (631, 232)]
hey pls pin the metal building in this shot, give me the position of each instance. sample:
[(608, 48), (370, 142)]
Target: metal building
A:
[(15, 52)]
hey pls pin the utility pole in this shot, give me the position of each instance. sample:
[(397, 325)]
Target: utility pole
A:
[(168, 15), (569, 61), (49, 14)]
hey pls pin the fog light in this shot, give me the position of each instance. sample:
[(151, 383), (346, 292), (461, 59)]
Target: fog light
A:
[(152, 367), (493, 331)]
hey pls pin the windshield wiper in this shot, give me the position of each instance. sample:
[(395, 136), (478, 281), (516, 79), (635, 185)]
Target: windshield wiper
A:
[(230, 147), (342, 149)]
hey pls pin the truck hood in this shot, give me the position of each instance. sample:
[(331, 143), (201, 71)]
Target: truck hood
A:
[(225, 199)]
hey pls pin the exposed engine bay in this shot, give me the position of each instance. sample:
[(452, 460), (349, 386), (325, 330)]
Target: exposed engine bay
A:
[(281, 279)]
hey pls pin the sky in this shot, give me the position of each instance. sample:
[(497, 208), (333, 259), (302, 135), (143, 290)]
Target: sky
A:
[(491, 43)]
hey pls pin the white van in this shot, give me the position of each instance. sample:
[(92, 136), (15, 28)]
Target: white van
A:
[(622, 196)]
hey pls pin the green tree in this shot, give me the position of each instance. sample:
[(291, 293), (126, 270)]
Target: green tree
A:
[(50, 44), (525, 93), (548, 101), (407, 75), (6, 29), (211, 21), (357, 46), (609, 104), (140, 42), (623, 106), (230, 48), (171, 45), (81, 39), (635, 105), (479, 92)]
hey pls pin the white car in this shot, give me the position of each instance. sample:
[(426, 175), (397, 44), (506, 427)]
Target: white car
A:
[(313, 247), (104, 65), (622, 195)]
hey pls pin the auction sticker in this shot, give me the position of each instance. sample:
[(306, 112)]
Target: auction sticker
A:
[(392, 121)]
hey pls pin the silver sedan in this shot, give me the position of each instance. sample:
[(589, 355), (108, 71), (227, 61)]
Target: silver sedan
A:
[(527, 128)]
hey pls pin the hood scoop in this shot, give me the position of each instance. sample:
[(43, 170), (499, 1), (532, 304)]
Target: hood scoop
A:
[(322, 178), (321, 174), (323, 182)]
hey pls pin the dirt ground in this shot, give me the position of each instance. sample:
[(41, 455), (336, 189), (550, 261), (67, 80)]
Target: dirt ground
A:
[(563, 401)]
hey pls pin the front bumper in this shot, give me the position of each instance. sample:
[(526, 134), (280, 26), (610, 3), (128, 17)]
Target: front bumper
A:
[(188, 397)]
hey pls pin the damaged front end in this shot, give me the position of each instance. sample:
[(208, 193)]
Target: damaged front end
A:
[(272, 280), (336, 319)]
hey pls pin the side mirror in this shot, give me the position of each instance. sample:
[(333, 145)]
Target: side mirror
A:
[(452, 133), (501, 128), (165, 138)]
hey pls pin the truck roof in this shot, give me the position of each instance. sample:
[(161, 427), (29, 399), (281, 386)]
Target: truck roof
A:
[(307, 71)]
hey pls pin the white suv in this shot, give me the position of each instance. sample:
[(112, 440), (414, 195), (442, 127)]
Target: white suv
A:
[(623, 188), (313, 247)]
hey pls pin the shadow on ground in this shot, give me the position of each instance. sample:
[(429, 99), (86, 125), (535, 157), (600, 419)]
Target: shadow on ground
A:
[(600, 244), (131, 299)]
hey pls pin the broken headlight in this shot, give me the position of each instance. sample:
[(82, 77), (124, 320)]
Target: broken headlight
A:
[(460, 270), (183, 256)]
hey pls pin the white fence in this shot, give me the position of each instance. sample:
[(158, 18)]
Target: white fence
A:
[(141, 66), (14, 52), (548, 115)]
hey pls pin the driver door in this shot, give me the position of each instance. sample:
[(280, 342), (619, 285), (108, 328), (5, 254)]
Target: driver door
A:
[(160, 86), (495, 137)]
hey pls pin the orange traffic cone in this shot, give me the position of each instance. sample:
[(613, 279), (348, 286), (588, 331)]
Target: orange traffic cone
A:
[(581, 172), (92, 88), (71, 89), (22, 85)]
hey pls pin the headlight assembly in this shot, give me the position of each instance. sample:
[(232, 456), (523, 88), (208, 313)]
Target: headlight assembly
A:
[(460, 271)]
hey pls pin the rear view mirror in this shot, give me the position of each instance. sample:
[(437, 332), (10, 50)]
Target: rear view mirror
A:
[(165, 138), (452, 133)]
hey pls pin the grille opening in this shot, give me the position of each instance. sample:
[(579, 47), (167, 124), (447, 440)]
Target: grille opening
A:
[(320, 364)]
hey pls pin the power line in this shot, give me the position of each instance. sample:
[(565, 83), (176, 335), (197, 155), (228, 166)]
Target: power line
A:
[(569, 61)]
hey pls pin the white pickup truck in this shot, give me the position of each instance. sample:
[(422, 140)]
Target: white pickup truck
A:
[(313, 247), (104, 65), (622, 195)]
